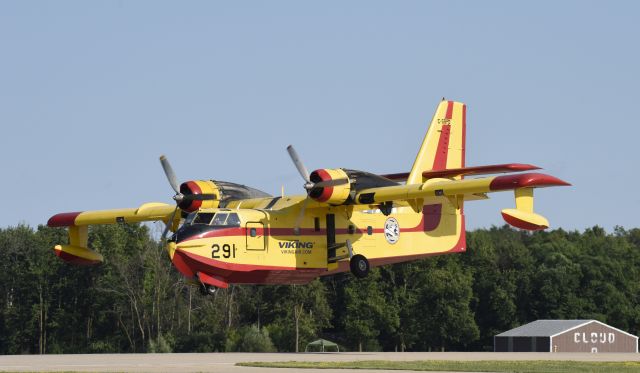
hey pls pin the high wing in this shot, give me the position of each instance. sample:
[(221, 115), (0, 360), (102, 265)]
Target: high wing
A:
[(77, 251), (464, 189), (151, 211)]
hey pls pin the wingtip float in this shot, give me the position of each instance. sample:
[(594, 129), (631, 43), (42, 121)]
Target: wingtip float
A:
[(345, 220)]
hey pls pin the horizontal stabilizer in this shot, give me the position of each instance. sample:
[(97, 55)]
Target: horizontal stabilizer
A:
[(440, 188), (477, 170)]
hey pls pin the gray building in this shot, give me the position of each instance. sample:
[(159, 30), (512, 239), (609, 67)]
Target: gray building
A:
[(565, 336)]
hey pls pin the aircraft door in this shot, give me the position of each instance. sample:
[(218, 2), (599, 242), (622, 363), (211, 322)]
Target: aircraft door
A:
[(368, 225), (331, 236), (256, 238)]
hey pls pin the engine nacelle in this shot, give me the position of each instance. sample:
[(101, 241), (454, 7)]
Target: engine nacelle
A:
[(190, 188), (335, 194), (224, 192)]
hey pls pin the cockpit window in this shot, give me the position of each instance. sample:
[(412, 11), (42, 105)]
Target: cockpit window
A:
[(203, 218), (189, 219), (219, 219), (233, 220)]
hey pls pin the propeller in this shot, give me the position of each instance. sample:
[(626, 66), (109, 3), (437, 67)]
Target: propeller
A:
[(300, 166), (173, 181), (171, 176), (309, 185), (168, 226), (178, 197)]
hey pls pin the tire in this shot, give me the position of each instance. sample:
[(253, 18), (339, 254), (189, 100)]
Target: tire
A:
[(359, 266), (207, 289)]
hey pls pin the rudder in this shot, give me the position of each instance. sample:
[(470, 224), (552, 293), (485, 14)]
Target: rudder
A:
[(443, 146)]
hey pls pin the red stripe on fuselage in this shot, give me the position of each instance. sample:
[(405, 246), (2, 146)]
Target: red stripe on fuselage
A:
[(426, 224)]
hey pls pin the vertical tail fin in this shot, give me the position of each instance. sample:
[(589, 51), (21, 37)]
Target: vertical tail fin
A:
[(444, 144), (443, 148)]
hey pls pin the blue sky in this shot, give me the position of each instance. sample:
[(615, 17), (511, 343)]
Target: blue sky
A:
[(91, 93)]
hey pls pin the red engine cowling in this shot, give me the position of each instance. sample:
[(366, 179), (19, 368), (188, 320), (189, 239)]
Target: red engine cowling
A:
[(334, 194), (196, 187)]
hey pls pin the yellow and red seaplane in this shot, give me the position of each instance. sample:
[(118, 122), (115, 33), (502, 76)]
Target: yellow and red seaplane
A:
[(225, 233)]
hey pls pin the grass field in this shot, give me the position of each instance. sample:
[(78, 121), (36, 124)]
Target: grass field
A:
[(534, 366)]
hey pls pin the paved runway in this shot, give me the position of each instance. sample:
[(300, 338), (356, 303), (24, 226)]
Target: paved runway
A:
[(225, 362)]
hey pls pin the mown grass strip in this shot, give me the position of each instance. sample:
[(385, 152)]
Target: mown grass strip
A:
[(519, 366)]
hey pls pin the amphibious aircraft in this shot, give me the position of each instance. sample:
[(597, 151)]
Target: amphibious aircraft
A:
[(225, 233)]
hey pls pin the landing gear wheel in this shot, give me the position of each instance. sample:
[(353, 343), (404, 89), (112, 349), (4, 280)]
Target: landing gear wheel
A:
[(359, 266), (207, 289)]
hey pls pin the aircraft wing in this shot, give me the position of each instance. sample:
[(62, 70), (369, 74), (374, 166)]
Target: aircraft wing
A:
[(77, 251), (147, 212), (522, 185)]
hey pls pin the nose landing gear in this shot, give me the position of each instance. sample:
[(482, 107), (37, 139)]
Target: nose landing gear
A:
[(209, 284), (206, 289)]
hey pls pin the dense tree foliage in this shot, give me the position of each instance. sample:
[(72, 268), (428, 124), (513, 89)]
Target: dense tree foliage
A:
[(136, 302)]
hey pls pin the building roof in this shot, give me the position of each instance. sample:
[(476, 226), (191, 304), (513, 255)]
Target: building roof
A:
[(543, 328)]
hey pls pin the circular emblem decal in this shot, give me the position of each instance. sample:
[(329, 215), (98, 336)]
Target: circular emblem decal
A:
[(391, 230)]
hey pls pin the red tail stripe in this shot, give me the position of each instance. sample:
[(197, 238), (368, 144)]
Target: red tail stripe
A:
[(449, 113), (440, 161), (464, 133)]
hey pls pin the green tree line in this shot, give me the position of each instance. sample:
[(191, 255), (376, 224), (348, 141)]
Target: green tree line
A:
[(136, 302)]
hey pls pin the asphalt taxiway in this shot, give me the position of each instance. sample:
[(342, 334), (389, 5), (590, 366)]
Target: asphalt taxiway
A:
[(225, 362)]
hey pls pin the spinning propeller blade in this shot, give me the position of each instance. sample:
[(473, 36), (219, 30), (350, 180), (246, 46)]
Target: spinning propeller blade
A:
[(173, 181), (308, 185), (168, 226), (178, 197), (298, 163), (171, 176)]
